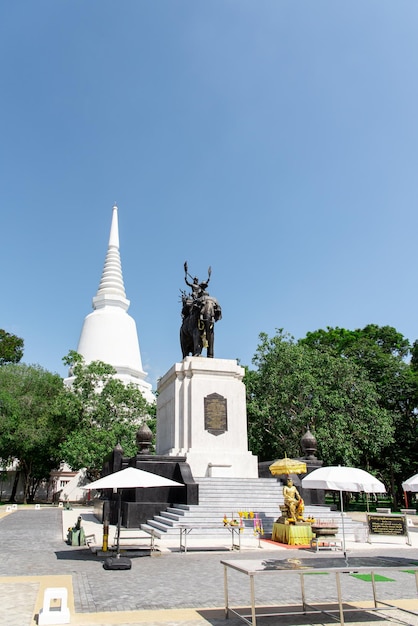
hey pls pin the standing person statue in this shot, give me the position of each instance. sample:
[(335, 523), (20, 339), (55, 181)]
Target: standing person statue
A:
[(198, 289)]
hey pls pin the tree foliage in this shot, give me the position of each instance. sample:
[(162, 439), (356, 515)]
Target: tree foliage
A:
[(354, 388), (362, 344), (11, 348), (295, 386), (103, 412), (381, 351), (31, 426)]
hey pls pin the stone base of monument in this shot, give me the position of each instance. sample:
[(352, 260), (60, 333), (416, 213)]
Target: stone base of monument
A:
[(201, 415), (140, 505)]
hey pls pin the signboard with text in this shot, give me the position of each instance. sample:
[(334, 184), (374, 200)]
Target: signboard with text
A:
[(216, 414), (390, 525)]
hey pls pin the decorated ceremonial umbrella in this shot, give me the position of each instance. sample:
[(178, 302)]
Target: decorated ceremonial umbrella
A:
[(130, 478), (287, 466), (342, 478)]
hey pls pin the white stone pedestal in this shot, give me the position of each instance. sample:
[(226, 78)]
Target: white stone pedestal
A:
[(201, 414)]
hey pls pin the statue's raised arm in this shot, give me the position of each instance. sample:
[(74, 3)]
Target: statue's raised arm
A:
[(204, 284), (198, 288)]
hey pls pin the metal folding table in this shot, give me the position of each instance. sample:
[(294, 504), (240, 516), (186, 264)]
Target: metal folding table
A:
[(303, 566), (186, 529)]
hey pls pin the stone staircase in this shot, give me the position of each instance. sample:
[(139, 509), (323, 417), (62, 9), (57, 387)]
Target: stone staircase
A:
[(228, 496)]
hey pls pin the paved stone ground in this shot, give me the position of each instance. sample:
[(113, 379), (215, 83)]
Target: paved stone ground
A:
[(32, 545)]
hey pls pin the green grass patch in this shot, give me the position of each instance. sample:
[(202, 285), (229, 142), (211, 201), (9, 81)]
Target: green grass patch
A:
[(368, 577), (317, 574), (409, 571)]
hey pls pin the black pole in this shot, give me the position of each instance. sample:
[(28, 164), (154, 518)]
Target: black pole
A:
[(119, 522)]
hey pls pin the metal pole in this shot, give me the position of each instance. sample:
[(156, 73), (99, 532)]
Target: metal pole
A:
[(302, 588), (374, 589), (226, 592), (253, 618), (340, 602), (342, 522), (105, 542), (119, 522)]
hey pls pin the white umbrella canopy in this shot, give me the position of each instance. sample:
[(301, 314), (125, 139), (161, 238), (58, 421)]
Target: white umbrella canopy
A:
[(343, 478), (411, 484), (131, 478)]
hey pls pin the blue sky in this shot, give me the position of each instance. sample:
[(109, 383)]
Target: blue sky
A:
[(275, 140)]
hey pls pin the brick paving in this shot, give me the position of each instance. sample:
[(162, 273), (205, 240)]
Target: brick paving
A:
[(32, 545)]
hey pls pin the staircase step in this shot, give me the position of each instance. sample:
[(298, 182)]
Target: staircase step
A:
[(151, 530), (163, 528), (179, 509), (227, 496), (171, 514)]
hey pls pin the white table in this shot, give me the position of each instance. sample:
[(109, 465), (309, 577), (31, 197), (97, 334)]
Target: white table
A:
[(300, 567), (186, 529)]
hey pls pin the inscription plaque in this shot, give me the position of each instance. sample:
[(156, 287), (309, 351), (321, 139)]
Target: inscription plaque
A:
[(216, 415), (387, 525)]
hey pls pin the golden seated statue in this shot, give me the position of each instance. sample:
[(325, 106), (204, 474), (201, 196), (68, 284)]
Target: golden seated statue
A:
[(292, 510)]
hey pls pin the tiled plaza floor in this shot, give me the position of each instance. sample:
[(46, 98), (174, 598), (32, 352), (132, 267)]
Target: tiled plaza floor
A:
[(172, 588)]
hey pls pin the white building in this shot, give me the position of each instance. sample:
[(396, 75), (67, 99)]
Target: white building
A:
[(109, 334)]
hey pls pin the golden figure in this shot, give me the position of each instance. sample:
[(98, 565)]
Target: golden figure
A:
[(293, 501)]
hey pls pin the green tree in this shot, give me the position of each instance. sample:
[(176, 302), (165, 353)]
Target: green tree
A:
[(31, 427), (295, 386), (381, 351), (360, 343), (103, 412), (11, 348)]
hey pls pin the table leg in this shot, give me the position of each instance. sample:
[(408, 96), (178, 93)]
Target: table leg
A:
[(340, 603), (253, 617), (374, 589), (314, 541), (302, 588), (183, 535), (226, 592), (235, 531)]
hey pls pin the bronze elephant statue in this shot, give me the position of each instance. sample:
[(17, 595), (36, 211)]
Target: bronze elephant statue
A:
[(197, 329)]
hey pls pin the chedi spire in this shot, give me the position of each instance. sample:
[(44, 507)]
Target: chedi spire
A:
[(109, 334), (111, 288)]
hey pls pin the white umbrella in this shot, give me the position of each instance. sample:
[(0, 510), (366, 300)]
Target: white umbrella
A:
[(130, 478), (342, 478), (411, 484)]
